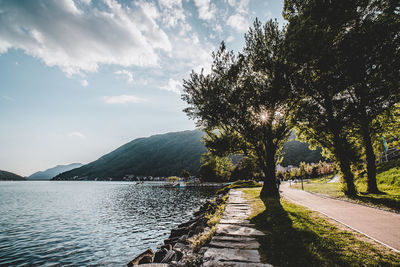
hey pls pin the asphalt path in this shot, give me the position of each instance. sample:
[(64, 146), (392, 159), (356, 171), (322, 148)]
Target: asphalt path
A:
[(382, 226)]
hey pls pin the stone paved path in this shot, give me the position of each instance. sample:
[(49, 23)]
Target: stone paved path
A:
[(234, 243), (382, 226)]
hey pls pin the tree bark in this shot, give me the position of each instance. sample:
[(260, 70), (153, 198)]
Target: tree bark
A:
[(371, 161), (348, 177), (269, 188), (344, 165)]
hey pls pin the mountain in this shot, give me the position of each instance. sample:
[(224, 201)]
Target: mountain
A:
[(50, 173), (9, 176), (157, 155), (165, 155)]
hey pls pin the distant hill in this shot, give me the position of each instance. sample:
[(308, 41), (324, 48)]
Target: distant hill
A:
[(165, 155), (157, 155), (296, 152), (50, 173), (9, 176)]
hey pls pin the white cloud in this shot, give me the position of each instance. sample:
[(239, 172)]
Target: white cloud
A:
[(128, 75), (76, 134), (84, 83), (238, 22), (172, 86), (241, 6), (122, 99), (79, 40), (206, 9), (230, 39)]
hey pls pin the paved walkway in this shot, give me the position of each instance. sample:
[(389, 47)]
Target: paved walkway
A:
[(382, 226), (234, 243)]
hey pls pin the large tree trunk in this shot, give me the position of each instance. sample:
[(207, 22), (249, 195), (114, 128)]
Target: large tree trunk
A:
[(345, 166), (348, 177), (371, 161), (270, 188)]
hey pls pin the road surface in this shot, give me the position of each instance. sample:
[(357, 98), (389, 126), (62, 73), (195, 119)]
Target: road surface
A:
[(382, 226)]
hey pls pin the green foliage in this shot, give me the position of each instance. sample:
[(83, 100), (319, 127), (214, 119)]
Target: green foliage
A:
[(173, 178), (295, 152), (185, 174), (245, 99), (158, 155), (9, 176), (215, 169), (239, 184), (246, 169), (388, 180)]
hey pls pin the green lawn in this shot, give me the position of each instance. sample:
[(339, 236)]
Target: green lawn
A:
[(296, 236), (388, 180)]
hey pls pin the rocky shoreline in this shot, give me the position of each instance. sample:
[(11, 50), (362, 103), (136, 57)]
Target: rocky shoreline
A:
[(182, 246)]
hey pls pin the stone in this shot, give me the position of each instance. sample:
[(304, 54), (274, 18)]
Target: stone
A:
[(169, 256), (159, 255), (233, 229), (233, 264), (181, 246), (136, 260), (229, 254), (226, 220), (234, 244), (171, 241), (167, 246), (146, 259), (183, 239), (179, 232)]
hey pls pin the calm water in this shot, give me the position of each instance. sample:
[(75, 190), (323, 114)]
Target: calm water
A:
[(88, 223)]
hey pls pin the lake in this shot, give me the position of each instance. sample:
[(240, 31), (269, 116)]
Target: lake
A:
[(88, 223)]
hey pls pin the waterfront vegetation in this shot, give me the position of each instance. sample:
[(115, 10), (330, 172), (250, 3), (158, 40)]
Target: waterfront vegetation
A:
[(296, 236), (388, 180), (330, 74)]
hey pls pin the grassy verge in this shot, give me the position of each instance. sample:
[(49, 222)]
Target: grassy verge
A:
[(296, 236), (213, 215), (388, 180)]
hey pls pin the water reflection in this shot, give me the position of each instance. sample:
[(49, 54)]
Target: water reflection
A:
[(81, 223)]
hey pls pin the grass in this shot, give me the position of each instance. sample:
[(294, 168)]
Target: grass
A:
[(239, 184), (213, 215), (296, 236), (388, 181)]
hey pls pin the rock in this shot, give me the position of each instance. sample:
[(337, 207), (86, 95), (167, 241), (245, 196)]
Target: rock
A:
[(179, 232), (183, 239), (167, 247), (171, 241), (136, 260), (146, 259), (199, 229), (168, 257), (229, 254), (181, 246), (179, 255), (160, 254)]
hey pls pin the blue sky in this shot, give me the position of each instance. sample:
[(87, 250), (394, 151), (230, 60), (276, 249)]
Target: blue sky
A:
[(79, 78)]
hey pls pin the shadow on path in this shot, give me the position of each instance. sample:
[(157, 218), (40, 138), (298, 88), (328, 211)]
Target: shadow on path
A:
[(295, 238)]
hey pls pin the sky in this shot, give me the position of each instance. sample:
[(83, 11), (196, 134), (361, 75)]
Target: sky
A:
[(79, 78)]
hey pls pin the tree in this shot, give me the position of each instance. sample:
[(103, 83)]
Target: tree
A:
[(352, 46), (246, 169), (247, 97), (321, 116), (369, 59), (185, 174), (215, 169)]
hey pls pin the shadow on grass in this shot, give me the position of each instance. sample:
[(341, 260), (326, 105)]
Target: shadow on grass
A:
[(295, 238), (383, 199)]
